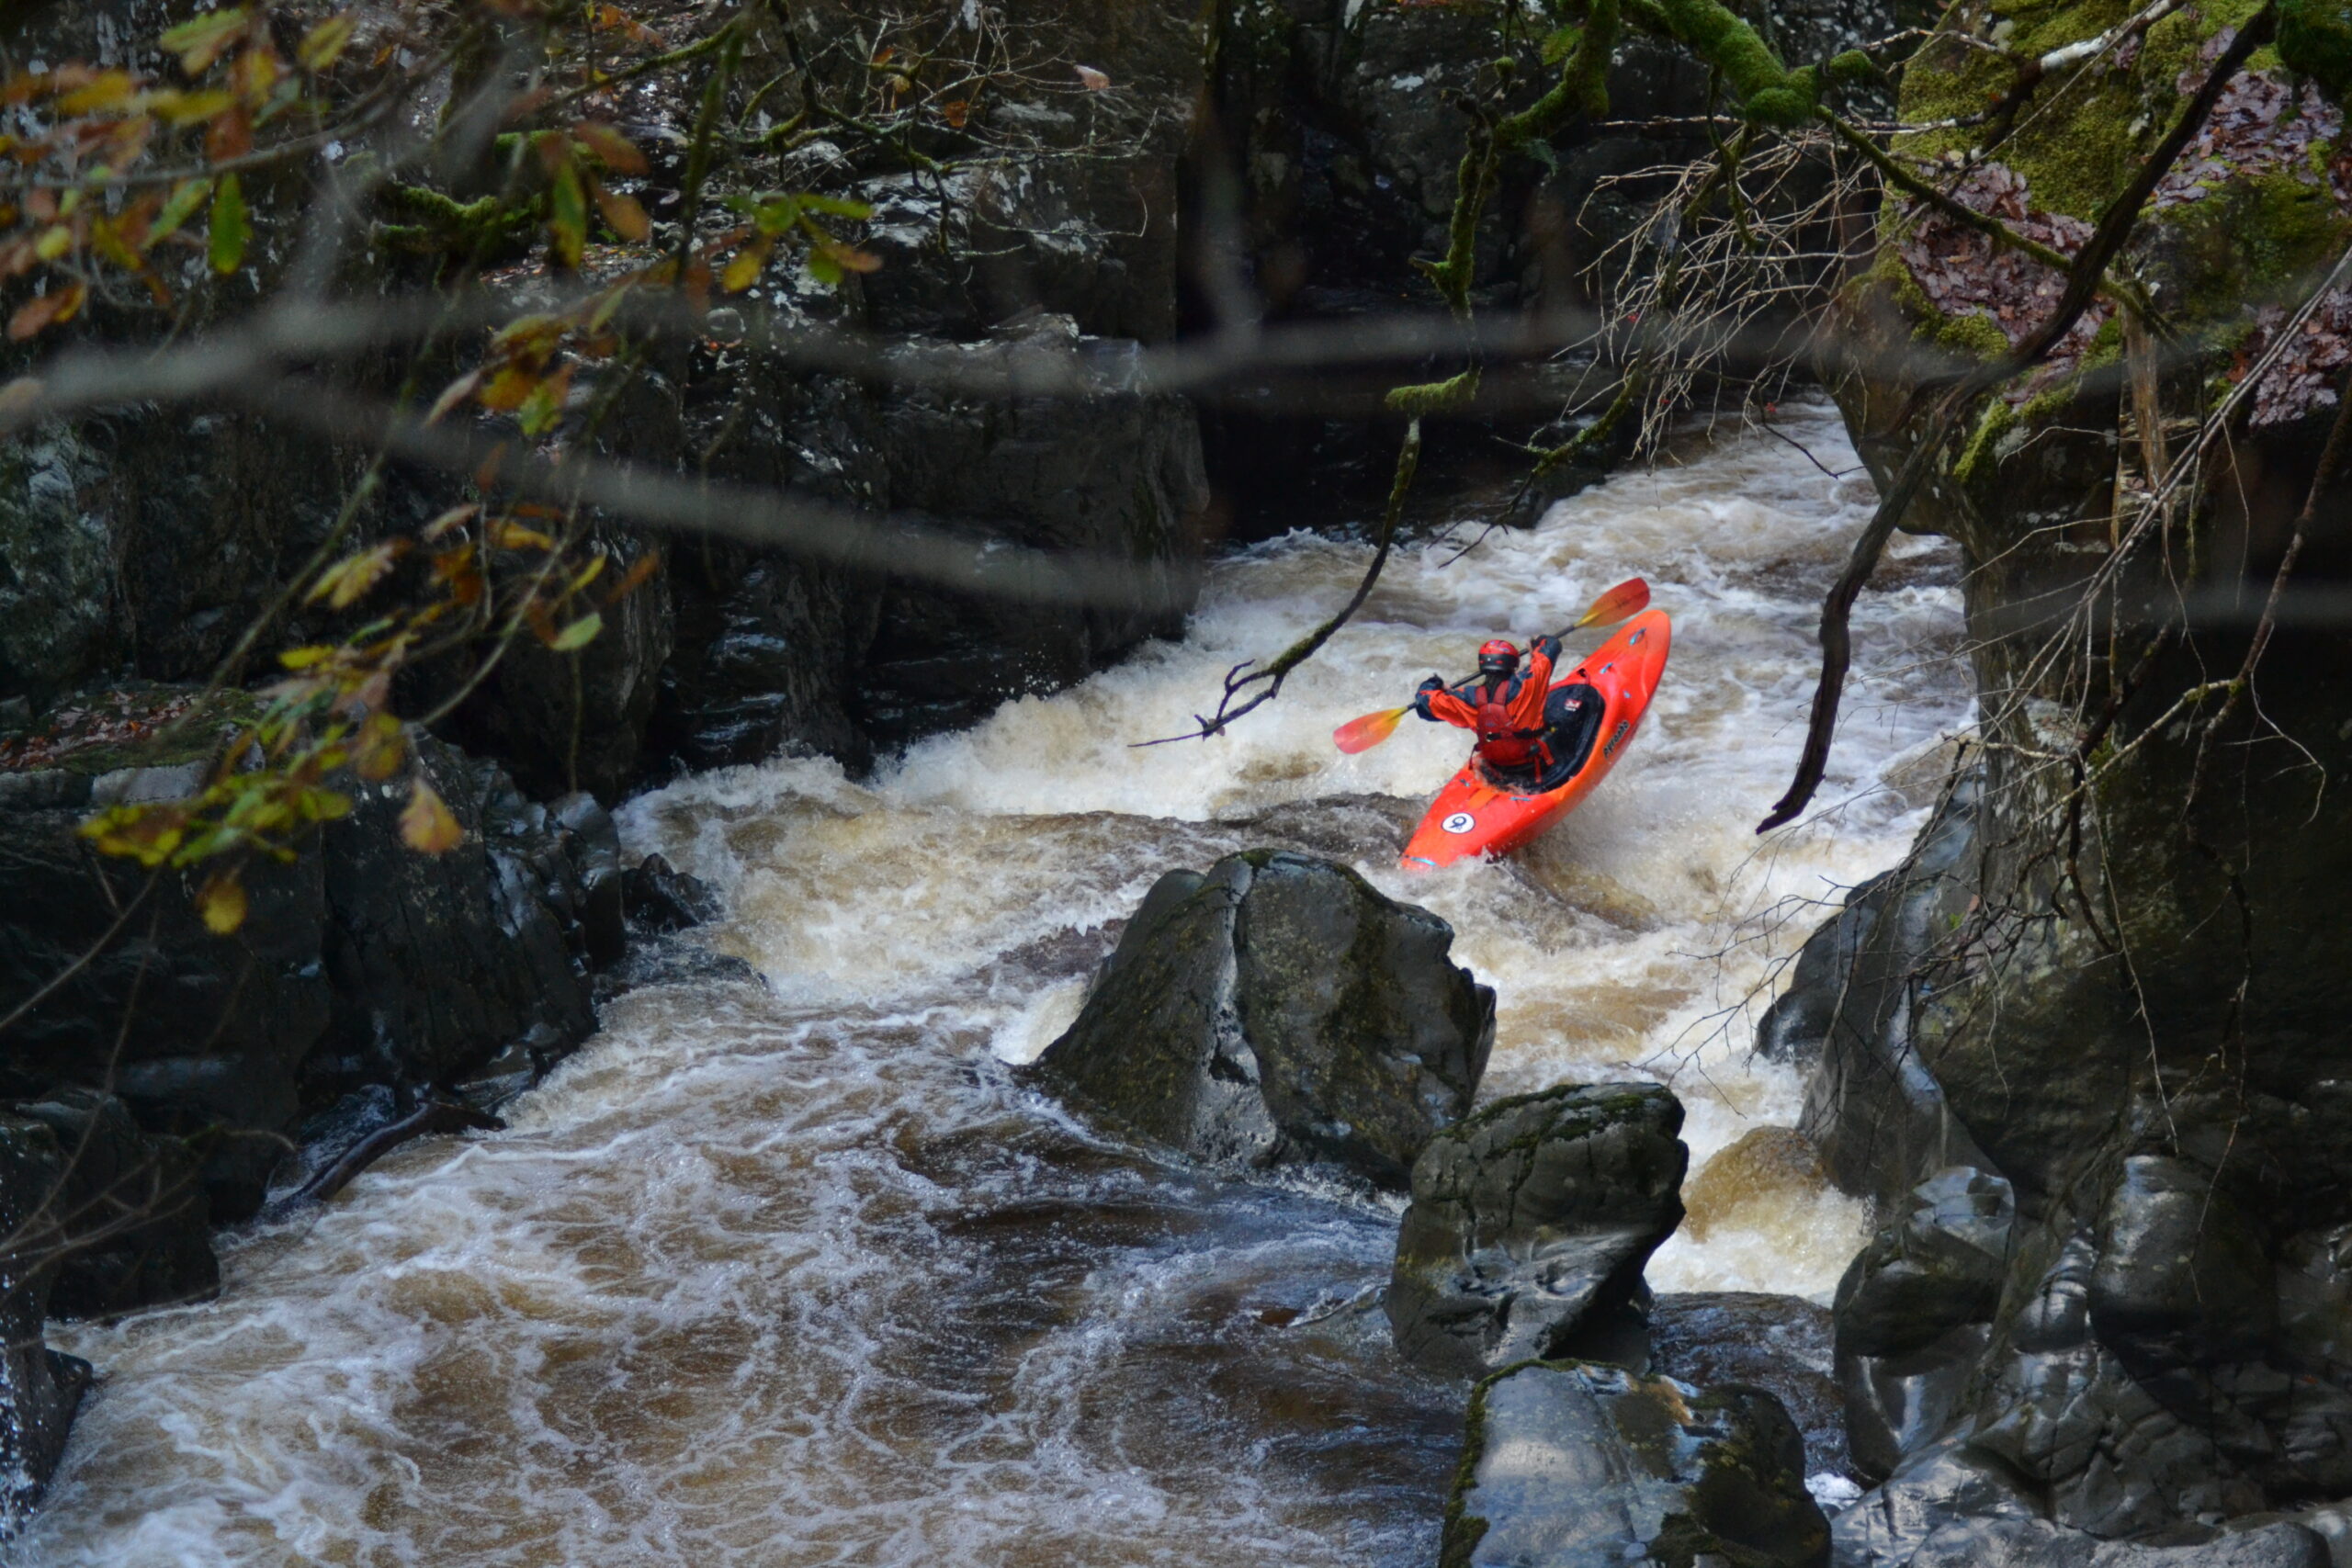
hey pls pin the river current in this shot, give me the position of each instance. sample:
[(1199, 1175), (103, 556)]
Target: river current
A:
[(794, 1272)]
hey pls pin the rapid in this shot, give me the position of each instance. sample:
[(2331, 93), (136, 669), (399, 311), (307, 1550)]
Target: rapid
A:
[(796, 1272)]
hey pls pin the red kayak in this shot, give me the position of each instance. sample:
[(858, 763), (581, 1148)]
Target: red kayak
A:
[(1477, 814)]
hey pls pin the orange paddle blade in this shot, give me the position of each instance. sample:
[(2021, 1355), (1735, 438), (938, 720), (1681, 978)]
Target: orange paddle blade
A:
[(1363, 734), (1622, 603)]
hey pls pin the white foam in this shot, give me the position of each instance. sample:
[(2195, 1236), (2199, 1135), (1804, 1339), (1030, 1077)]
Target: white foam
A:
[(798, 1277)]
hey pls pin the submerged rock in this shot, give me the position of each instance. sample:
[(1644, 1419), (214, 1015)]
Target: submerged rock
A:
[(1575, 1466), (1280, 1009), (1783, 1345), (1530, 1222)]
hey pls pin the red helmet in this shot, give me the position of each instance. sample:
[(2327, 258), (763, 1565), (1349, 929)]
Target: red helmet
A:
[(1497, 658)]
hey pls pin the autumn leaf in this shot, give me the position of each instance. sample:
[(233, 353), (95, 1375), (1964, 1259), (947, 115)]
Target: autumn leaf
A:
[(222, 902), (226, 246), (455, 392), (426, 824), (955, 111), (622, 214), (510, 388), (324, 44), (186, 197), (545, 406), (744, 270), (567, 216), (849, 258), (455, 518), (613, 149), (305, 657), (1094, 81), (147, 834), (639, 571), (37, 314), (379, 747), (515, 536), (578, 635), (108, 90), (200, 41), (348, 579)]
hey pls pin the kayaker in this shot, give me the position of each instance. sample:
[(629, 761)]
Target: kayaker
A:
[(1521, 734)]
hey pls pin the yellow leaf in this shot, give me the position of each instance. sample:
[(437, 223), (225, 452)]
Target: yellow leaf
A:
[(198, 42), (53, 243), (578, 635), (222, 902), (303, 657), (623, 215), (456, 517), (379, 747), (348, 579), (324, 44), (426, 824), (612, 149), (744, 270), (510, 388), (515, 536), (108, 90)]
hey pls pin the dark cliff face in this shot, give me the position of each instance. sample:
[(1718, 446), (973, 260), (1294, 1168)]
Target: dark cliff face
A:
[(2109, 988), (143, 542)]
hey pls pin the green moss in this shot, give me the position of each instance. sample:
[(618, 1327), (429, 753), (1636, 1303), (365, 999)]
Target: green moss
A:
[(1978, 458), (2315, 38)]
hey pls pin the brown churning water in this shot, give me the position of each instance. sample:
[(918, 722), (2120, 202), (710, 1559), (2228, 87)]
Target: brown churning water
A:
[(797, 1275)]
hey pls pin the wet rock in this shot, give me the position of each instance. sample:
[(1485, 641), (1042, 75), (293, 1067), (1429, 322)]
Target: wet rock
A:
[(1573, 1466), (656, 897), (1913, 1313), (1784, 1344), (1279, 1009), (1872, 1106), (2038, 1544), (1530, 1224), (134, 1219), (1930, 1491), (39, 1388), (436, 963), (1795, 1027), (57, 577)]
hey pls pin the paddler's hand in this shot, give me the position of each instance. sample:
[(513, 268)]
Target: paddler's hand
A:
[(1421, 696), (1548, 646)]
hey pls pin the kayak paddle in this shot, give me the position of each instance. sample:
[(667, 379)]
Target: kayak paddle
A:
[(1622, 602)]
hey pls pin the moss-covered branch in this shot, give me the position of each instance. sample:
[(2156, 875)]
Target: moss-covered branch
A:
[(1769, 92)]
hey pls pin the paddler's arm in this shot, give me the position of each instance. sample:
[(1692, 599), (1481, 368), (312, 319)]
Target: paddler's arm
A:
[(1527, 712), (1434, 702)]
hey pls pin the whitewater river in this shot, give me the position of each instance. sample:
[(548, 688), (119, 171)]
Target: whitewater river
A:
[(795, 1273)]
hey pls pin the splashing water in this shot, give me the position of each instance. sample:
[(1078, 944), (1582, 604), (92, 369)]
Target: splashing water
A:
[(796, 1274)]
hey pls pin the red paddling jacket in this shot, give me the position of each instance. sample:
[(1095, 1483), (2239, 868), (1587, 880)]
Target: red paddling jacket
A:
[(1507, 715)]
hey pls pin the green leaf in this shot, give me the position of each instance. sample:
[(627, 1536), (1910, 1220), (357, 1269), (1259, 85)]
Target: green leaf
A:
[(856, 211), (186, 197), (1562, 43), (230, 228), (1543, 152), (579, 634), (567, 216), (200, 41), (824, 269), (775, 217)]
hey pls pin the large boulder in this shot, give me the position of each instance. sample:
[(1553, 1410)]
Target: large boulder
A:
[(39, 1388), (358, 962), (130, 1214), (1915, 1311), (1576, 1466), (1530, 1224), (1280, 1008)]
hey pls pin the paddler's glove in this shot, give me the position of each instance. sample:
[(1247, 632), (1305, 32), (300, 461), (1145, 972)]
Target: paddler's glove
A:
[(1421, 696), (1549, 647)]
